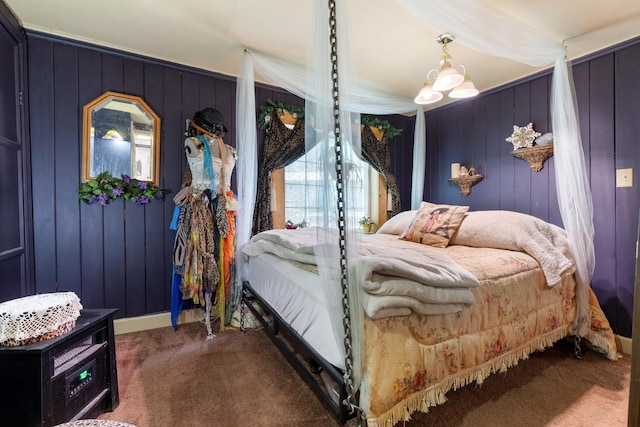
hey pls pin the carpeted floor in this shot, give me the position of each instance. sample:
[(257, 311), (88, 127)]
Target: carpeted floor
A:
[(173, 378)]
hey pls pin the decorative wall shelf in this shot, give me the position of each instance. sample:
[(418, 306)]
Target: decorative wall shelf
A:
[(466, 182), (536, 156)]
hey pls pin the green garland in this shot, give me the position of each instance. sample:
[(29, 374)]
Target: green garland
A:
[(381, 124), (106, 187), (267, 111)]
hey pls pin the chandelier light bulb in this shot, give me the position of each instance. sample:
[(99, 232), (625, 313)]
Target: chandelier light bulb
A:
[(427, 95), (448, 78), (465, 90)]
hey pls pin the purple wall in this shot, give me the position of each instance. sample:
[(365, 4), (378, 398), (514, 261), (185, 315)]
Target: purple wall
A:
[(473, 133), (120, 255)]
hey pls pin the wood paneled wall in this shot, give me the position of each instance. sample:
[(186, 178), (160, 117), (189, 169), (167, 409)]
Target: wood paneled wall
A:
[(118, 255), (473, 133)]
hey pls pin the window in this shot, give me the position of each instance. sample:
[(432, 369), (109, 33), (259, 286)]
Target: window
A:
[(303, 184)]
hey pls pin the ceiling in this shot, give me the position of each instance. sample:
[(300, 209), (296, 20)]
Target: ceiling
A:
[(392, 49)]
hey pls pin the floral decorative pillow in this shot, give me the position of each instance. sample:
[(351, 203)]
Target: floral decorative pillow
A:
[(434, 225)]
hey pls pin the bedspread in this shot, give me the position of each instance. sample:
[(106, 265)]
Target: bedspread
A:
[(412, 361)]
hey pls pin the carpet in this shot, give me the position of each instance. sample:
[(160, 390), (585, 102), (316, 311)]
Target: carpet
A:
[(169, 378)]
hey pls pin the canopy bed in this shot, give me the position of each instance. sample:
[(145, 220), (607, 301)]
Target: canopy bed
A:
[(439, 314), (364, 327)]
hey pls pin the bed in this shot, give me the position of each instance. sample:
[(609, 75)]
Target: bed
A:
[(497, 286)]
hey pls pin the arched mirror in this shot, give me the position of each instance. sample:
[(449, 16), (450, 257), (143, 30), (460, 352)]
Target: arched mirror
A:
[(121, 136)]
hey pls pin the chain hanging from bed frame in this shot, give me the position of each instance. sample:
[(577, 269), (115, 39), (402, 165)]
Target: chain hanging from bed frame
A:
[(351, 401)]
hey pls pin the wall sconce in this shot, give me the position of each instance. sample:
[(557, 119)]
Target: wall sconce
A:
[(447, 78)]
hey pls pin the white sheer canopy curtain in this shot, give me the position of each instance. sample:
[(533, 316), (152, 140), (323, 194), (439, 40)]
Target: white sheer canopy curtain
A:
[(335, 134), (312, 83), (478, 25), (247, 164)]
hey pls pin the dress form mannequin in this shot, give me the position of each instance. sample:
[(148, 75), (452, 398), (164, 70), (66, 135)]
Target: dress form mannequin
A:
[(205, 223), (196, 158)]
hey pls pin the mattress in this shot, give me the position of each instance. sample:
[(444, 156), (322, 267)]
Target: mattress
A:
[(296, 295)]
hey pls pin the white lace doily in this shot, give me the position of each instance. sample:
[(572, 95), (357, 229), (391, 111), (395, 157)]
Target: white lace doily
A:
[(95, 423), (36, 317)]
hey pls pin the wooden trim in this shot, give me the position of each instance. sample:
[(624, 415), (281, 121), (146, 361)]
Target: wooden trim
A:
[(383, 206), (277, 216)]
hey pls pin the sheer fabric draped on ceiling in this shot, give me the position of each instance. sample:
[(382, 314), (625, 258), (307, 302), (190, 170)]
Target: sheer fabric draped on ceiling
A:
[(476, 25)]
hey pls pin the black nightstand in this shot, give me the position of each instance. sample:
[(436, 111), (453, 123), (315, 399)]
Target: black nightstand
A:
[(66, 378)]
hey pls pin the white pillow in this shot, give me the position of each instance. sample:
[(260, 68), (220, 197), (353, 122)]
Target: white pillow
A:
[(398, 223)]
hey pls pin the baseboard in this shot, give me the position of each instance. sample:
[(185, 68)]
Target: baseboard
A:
[(624, 345), (161, 320), (153, 321)]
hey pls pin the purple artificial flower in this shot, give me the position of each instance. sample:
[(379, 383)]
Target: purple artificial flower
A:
[(143, 185), (103, 199), (159, 196), (142, 200), (126, 178), (92, 200), (118, 191)]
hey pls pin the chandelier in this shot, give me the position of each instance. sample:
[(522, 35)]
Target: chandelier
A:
[(448, 78)]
